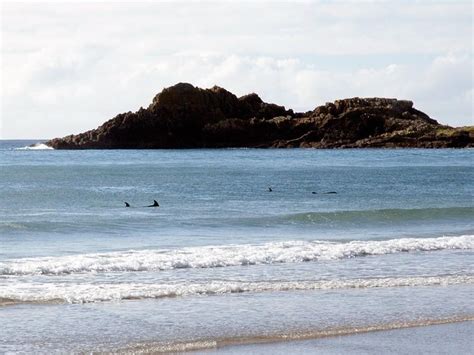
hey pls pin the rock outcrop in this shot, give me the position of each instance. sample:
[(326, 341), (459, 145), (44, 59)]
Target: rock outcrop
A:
[(184, 116)]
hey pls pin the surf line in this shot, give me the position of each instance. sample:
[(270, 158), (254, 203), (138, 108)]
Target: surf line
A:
[(222, 342)]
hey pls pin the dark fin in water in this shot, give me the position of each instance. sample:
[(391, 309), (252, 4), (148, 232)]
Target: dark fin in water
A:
[(331, 192), (155, 204), (127, 204), (314, 192), (270, 189)]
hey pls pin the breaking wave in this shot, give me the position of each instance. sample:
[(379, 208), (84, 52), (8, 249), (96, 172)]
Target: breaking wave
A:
[(224, 256), (36, 146), (85, 293)]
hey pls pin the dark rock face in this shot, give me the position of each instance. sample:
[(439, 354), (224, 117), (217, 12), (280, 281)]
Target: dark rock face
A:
[(184, 116)]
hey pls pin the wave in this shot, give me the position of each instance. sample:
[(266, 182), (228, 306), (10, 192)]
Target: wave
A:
[(374, 216), (36, 146), (86, 293), (224, 256)]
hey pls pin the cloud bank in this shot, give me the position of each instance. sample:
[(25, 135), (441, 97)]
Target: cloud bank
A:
[(69, 67)]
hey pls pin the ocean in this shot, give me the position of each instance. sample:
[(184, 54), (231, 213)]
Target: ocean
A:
[(346, 241)]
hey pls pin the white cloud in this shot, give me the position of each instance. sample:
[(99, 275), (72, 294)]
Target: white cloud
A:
[(68, 68)]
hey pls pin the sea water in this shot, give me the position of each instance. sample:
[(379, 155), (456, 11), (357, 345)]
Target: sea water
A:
[(224, 259)]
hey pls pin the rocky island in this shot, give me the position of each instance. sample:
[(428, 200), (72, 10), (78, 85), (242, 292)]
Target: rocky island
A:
[(184, 116)]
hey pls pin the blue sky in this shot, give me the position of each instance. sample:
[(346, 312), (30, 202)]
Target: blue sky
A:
[(68, 67)]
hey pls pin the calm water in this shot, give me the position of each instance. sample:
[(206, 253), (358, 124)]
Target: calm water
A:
[(222, 257)]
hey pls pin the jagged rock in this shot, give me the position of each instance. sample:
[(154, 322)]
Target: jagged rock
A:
[(184, 116)]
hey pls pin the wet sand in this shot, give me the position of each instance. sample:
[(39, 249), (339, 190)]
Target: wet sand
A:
[(451, 338), (442, 336)]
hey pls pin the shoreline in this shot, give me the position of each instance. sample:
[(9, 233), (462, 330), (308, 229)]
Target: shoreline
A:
[(220, 344)]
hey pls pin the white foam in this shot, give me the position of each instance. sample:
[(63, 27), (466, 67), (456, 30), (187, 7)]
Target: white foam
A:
[(36, 146), (222, 256), (83, 293)]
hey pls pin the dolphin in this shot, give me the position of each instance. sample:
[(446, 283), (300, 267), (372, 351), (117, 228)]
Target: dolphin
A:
[(331, 192), (270, 189), (127, 204), (155, 204)]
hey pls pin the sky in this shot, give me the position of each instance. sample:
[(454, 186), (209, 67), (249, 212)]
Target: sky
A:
[(68, 67)]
